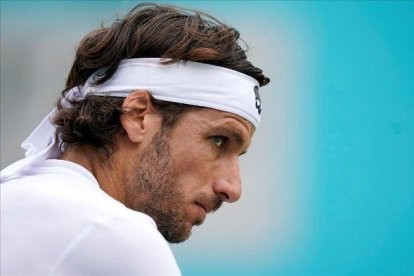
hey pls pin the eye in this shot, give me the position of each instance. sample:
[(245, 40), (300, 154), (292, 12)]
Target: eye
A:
[(218, 140)]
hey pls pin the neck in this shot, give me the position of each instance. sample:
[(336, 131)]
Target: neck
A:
[(110, 180)]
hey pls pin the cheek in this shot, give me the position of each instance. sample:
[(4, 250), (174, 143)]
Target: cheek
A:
[(194, 167)]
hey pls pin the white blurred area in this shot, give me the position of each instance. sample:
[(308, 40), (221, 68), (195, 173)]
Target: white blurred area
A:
[(37, 45), (37, 48)]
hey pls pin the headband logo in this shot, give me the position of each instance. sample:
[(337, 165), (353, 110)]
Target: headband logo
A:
[(258, 101)]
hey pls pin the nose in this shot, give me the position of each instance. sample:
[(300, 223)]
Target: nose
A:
[(228, 182)]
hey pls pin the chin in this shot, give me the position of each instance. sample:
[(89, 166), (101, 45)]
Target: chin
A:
[(176, 232), (198, 222), (183, 236)]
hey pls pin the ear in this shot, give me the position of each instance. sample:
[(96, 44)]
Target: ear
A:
[(138, 117)]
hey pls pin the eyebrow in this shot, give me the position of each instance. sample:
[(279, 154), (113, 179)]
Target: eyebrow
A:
[(239, 138)]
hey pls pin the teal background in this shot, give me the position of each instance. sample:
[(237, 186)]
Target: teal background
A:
[(329, 180)]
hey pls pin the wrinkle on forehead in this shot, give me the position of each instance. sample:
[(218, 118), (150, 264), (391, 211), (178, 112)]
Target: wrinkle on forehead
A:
[(215, 117)]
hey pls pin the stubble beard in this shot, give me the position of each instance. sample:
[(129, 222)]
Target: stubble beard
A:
[(156, 192)]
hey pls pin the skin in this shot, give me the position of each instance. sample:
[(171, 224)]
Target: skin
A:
[(176, 176)]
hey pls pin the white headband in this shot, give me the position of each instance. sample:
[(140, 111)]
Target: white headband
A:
[(186, 82)]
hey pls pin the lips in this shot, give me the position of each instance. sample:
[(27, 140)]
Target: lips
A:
[(206, 209), (209, 205)]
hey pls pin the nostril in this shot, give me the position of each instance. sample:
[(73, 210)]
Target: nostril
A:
[(224, 196)]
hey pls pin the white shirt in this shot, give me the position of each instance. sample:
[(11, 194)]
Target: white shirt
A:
[(56, 220)]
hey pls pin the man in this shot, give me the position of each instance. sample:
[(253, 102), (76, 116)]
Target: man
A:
[(144, 142)]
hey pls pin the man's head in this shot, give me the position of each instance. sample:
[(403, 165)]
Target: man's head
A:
[(172, 161), (181, 173)]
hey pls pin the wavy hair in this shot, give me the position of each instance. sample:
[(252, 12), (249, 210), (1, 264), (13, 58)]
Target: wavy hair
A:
[(148, 30)]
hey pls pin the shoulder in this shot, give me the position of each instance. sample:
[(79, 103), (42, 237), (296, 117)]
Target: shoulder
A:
[(59, 189), (76, 228), (118, 246)]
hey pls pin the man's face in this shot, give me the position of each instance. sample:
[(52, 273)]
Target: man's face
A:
[(188, 171)]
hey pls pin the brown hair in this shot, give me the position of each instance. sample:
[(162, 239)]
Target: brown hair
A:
[(148, 30)]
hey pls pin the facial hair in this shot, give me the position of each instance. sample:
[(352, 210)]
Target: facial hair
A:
[(156, 192)]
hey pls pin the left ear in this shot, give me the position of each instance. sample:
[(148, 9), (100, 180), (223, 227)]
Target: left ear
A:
[(138, 117)]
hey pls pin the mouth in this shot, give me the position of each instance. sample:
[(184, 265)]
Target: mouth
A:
[(202, 214), (209, 205), (203, 207), (206, 207)]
